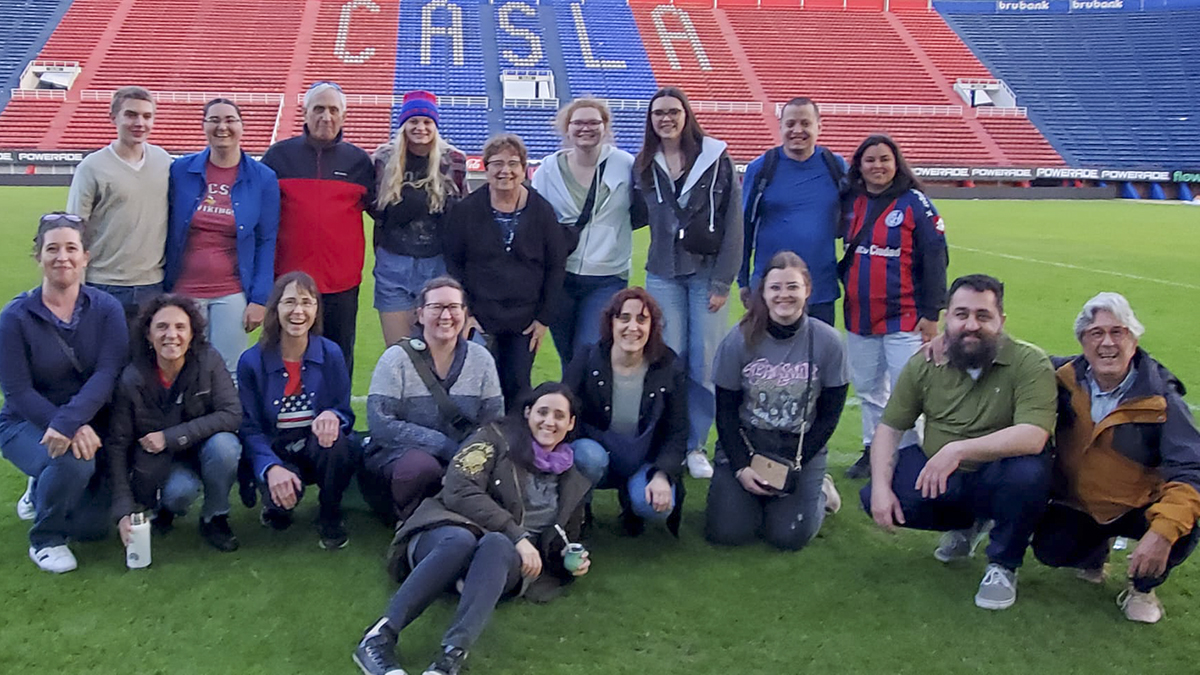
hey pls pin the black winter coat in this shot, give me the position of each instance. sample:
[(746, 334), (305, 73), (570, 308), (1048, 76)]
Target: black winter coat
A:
[(202, 401)]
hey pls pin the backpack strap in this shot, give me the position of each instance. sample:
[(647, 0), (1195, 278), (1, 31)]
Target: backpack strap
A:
[(761, 181), (420, 358), (836, 172)]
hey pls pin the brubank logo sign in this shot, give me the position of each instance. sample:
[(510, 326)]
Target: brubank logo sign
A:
[(1045, 5)]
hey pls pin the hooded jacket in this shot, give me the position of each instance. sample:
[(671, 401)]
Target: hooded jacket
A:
[(712, 197), (606, 243), (1143, 454)]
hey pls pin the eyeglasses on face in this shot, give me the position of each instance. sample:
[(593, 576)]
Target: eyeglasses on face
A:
[(666, 112), (437, 308), (217, 121), (291, 303), (586, 124), (497, 164)]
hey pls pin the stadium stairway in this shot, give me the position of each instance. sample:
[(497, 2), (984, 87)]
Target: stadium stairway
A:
[(25, 25), (1111, 89), (520, 44)]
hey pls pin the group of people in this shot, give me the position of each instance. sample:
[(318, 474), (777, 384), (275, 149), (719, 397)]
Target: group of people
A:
[(129, 388)]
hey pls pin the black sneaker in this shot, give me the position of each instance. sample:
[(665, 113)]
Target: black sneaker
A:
[(632, 524), (163, 522), (332, 533), (450, 662), (276, 519), (218, 534), (861, 468), (376, 652), (247, 484)]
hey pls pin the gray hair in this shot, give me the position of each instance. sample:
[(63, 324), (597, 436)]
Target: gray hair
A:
[(1113, 303), (320, 87)]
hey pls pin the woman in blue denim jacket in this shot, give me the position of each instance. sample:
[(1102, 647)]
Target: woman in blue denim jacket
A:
[(224, 216), (296, 420)]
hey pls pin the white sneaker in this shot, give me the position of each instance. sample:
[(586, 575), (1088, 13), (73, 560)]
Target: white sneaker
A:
[(698, 465), (25, 508), (56, 559), (833, 500), (1140, 607)]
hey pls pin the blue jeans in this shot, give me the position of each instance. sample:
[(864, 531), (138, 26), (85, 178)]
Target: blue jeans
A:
[(693, 333), (591, 459), (225, 331), (218, 460), (875, 365), (577, 321), (1012, 491), (489, 567), (131, 297), (59, 487)]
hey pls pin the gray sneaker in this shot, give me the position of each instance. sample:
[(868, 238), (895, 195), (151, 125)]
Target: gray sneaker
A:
[(998, 590), (961, 544)]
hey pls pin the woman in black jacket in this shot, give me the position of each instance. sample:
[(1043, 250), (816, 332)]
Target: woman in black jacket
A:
[(505, 245), (174, 424), (633, 412), (511, 504)]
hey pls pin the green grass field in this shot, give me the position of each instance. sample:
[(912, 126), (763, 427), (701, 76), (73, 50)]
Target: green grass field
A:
[(856, 601)]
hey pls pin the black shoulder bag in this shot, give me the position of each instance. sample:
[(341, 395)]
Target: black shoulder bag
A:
[(776, 470), (574, 230), (462, 425), (701, 239)]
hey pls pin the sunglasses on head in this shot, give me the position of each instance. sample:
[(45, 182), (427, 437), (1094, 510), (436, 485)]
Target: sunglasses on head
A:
[(55, 217), (325, 83)]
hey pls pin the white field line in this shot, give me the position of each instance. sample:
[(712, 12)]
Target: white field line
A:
[(1165, 282)]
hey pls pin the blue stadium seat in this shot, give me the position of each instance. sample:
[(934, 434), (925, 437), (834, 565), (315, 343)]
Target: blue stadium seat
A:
[(1111, 89), (24, 27), (612, 39)]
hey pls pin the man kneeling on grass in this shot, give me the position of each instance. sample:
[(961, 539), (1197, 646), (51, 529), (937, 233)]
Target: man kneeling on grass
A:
[(988, 413), (1128, 460)]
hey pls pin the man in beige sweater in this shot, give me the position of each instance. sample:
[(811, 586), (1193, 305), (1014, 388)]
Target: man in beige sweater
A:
[(121, 190)]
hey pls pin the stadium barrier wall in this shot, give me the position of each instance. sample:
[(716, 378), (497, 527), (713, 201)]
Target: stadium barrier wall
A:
[(1058, 6)]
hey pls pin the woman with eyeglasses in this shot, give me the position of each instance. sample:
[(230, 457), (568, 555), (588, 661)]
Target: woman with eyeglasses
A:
[(62, 346), (296, 419), (420, 177), (224, 217), (589, 184), (426, 396), (693, 199), (505, 245)]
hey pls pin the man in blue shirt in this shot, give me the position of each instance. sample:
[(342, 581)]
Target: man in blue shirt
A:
[(799, 209)]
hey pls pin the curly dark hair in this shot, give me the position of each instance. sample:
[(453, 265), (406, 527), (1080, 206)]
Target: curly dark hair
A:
[(655, 347), (146, 355)]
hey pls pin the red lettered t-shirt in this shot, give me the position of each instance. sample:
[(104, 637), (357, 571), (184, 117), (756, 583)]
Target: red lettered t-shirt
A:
[(210, 261)]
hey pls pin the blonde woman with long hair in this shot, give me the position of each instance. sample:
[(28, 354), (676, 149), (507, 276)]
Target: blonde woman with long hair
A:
[(411, 204)]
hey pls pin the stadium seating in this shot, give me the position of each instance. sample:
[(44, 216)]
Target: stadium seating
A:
[(1116, 89), (616, 64), (24, 25), (441, 64)]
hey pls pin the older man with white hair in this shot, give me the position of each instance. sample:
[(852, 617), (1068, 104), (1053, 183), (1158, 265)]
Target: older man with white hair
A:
[(1128, 461), (325, 186)]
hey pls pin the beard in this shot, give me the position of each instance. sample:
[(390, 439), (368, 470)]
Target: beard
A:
[(978, 355)]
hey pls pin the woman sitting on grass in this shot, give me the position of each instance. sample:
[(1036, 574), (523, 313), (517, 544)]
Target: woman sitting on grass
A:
[(499, 526), (633, 412), (174, 425), (62, 346), (781, 386), (295, 392)]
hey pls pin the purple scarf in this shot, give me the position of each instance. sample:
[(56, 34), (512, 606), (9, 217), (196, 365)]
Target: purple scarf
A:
[(555, 461)]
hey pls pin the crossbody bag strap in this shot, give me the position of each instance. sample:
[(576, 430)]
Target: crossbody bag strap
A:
[(851, 246), (420, 360), (807, 397), (69, 351), (589, 203)]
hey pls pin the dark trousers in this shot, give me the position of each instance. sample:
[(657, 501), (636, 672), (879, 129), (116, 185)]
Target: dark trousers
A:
[(577, 319), (734, 517), (514, 364), (1070, 538), (340, 324), (330, 469), (442, 556), (414, 476), (823, 311), (1011, 491)]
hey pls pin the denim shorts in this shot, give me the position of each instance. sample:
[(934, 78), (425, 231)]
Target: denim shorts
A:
[(399, 278)]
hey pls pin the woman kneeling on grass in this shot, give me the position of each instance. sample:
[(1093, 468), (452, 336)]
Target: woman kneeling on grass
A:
[(295, 393), (781, 385), (174, 425), (499, 527), (633, 412), (62, 346)]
